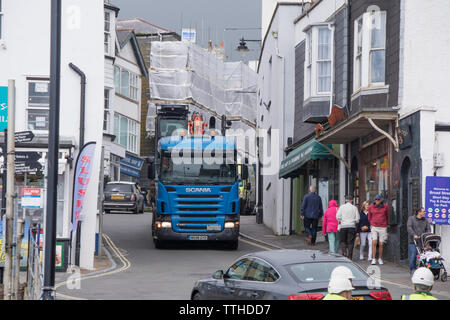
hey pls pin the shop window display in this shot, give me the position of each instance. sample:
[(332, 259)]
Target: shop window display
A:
[(377, 176)]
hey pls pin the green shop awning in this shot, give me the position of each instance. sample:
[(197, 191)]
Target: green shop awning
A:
[(310, 150)]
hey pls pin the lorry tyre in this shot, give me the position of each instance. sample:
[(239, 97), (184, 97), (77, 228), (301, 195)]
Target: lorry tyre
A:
[(233, 245), (158, 244)]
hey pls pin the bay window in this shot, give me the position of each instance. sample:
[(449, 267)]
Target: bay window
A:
[(318, 60), (324, 61), (107, 41), (106, 112), (369, 50), (126, 83), (126, 131)]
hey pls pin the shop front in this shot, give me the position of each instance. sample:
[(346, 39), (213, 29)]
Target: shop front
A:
[(371, 145), (309, 164)]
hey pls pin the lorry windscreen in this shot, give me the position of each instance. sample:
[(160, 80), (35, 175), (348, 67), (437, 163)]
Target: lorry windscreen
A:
[(198, 172), (168, 127)]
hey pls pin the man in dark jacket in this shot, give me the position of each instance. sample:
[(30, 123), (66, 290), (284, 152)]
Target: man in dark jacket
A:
[(311, 211), (417, 225)]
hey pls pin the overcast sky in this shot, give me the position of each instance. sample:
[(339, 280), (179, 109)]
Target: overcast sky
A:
[(209, 17)]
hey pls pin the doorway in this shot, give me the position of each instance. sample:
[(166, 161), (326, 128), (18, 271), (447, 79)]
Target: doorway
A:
[(405, 206)]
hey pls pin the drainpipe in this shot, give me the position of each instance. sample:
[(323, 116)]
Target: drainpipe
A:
[(282, 133), (82, 101)]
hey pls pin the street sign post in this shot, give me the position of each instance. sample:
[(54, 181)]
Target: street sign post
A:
[(23, 136)]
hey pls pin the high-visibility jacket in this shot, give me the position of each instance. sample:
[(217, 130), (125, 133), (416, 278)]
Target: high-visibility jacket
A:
[(332, 296), (419, 295)]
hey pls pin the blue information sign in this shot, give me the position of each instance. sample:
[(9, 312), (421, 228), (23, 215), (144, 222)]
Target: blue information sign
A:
[(437, 200), (3, 108)]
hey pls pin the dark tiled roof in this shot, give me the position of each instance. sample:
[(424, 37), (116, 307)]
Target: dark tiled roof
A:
[(141, 26)]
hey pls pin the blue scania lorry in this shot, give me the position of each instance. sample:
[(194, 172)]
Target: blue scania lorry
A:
[(197, 182)]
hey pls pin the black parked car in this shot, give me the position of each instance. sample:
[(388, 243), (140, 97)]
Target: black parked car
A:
[(284, 275), (123, 196)]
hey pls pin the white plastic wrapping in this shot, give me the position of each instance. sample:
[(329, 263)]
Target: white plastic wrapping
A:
[(182, 70)]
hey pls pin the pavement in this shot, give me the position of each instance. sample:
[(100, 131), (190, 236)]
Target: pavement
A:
[(391, 274)]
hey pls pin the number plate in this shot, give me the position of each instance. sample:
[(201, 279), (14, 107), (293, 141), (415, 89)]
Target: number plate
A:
[(198, 237), (214, 227), (357, 298), (117, 197)]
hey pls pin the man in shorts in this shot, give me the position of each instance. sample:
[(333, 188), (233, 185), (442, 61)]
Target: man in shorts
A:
[(378, 218)]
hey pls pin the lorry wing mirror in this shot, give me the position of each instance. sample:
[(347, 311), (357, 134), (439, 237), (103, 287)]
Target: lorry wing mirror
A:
[(151, 170), (244, 173)]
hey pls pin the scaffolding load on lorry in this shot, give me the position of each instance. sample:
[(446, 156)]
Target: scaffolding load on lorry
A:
[(184, 73)]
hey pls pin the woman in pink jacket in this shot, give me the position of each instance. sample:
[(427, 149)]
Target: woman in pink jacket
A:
[(330, 226)]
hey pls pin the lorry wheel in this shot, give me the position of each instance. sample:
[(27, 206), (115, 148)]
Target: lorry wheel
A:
[(232, 245), (158, 244)]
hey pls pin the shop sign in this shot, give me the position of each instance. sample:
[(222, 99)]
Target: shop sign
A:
[(131, 166), (83, 171), (31, 198), (437, 200), (3, 108), (404, 137)]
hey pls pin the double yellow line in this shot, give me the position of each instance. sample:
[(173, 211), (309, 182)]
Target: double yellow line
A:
[(125, 265)]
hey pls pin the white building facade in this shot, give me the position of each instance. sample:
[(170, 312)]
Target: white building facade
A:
[(276, 80), (25, 58), (124, 72)]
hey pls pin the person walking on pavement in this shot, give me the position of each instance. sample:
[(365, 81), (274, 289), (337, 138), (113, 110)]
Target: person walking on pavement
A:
[(416, 225), (330, 226), (339, 288), (423, 281), (348, 216), (378, 219), (311, 212), (363, 230)]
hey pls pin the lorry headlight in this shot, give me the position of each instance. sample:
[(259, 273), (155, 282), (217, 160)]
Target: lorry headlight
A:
[(230, 225), (166, 225)]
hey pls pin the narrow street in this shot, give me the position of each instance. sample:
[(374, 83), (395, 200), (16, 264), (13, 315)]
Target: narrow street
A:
[(170, 274), (153, 274)]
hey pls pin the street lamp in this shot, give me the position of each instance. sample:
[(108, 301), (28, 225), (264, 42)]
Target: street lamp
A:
[(242, 48)]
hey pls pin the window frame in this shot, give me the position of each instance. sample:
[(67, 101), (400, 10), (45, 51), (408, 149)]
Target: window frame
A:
[(383, 48), (362, 79), (132, 137), (107, 112), (37, 106), (311, 76), (259, 261), (107, 32), (318, 60), (133, 87)]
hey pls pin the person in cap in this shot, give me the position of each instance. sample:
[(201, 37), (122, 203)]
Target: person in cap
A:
[(423, 280), (378, 219), (339, 288)]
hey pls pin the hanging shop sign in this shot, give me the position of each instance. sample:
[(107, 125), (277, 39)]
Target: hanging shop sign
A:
[(437, 200), (83, 171), (131, 166)]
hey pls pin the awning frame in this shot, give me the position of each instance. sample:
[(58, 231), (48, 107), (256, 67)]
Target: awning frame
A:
[(370, 116)]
